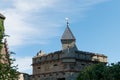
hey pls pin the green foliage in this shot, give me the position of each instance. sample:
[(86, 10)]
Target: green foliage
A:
[(101, 72), (5, 74), (1, 32), (114, 70), (7, 70)]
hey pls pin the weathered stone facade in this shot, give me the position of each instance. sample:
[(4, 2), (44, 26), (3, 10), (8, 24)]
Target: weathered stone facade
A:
[(66, 63)]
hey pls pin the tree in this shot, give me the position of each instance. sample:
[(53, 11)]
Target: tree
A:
[(7, 70), (114, 70), (1, 31), (101, 71)]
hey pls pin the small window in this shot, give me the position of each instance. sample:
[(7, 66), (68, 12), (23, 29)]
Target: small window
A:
[(83, 64), (38, 67), (50, 74), (44, 75), (72, 66), (55, 65), (65, 66), (56, 73)]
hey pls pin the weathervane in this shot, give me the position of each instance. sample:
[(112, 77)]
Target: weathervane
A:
[(67, 20)]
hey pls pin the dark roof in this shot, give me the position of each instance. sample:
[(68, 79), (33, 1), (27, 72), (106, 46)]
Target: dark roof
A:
[(67, 34), (2, 16)]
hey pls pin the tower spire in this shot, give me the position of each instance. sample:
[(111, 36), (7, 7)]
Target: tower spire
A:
[(68, 35), (68, 39)]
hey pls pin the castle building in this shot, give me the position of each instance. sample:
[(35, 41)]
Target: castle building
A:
[(66, 63)]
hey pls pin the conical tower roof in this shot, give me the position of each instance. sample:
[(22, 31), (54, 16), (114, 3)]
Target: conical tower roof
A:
[(67, 35), (2, 16)]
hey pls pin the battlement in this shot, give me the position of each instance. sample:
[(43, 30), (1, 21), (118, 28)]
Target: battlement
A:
[(77, 55)]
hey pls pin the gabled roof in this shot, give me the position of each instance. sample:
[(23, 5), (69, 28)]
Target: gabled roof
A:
[(67, 34), (2, 16)]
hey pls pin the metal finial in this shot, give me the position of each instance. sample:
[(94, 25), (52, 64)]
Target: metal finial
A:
[(67, 20)]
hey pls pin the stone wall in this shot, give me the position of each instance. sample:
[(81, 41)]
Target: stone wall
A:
[(60, 65)]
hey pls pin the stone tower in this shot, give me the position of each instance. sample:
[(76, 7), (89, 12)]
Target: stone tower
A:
[(64, 64)]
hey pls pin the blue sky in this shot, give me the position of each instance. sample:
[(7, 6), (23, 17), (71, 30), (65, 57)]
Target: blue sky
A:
[(39, 24)]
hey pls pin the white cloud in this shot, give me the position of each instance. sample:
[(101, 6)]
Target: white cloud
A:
[(18, 26), (24, 64), (30, 5), (40, 18)]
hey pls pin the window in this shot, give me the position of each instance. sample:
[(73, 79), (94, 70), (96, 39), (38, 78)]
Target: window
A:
[(38, 67), (83, 64), (72, 66), (55, 65), (65, 66)]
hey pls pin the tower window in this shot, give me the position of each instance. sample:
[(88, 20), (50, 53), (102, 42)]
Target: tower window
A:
[(38, 67)]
